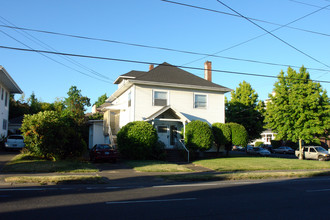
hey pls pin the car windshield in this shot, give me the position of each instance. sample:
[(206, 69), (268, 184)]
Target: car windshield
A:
[(321, 150), (103, 147), (15, 137)]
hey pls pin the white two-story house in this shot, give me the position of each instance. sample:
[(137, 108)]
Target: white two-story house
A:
[(167, 97), (7, 86)]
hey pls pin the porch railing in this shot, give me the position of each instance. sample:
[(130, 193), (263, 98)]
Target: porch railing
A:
[(111, 136), (184, 147)]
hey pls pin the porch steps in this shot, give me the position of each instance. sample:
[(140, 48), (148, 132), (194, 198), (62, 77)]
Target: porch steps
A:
[(174, 155)]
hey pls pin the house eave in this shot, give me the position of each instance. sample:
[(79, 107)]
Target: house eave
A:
[(119, 92), (185, 86), (8, 82)]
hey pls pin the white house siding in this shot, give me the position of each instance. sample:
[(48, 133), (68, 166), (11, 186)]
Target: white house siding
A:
[(4, 111), (96, 133), (181, 100)]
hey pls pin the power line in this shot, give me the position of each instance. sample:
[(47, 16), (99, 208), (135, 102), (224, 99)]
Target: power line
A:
[(235, 15), (293, 47), (144, 62), (46, 46), (42, 53), (304, 3), (158, 48), (251, 39)]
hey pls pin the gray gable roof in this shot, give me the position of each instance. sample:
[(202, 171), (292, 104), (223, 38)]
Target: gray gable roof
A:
[(169, 74)]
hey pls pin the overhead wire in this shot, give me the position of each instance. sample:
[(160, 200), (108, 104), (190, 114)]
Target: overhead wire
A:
[(46, 46), (304, 3), (48, 57), (278, 38), (251, 39), (159, 48), (235, 15), (146, 62)]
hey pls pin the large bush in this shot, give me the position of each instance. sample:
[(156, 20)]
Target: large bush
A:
[(198, 136), (52, 135), (137, 140), (239, 135)]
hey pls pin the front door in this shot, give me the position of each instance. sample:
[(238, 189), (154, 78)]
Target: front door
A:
[(163, 134)]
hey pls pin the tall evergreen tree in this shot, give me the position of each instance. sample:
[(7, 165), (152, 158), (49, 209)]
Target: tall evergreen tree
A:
[(245, 109), (300, 108)]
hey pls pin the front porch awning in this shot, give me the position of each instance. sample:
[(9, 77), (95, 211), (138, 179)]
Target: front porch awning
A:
[(115, 108), (167, 113)]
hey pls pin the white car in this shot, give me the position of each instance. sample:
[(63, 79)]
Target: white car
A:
[(14, 142)]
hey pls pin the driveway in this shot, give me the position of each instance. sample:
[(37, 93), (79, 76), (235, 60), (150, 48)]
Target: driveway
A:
[(6, 156)]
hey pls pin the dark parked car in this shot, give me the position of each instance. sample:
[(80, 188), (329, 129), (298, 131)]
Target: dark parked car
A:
[(284, 150), (103, 152)]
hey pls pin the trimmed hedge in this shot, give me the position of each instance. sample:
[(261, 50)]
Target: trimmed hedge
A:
[(239, 135), (198, 136), (137, 140), (221, 133)]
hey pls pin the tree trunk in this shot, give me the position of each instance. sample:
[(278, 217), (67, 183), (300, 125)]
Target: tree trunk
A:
[(301, 155)]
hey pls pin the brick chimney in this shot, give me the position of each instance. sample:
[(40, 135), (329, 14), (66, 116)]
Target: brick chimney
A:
[(151, 66), (208, 71)]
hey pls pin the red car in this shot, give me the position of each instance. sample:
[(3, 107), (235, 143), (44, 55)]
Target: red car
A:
[(103, 152)]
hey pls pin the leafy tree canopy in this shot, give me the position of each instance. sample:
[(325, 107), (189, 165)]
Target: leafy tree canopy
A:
[(101, 100), (75, 102), (245, 109), (300, 108)]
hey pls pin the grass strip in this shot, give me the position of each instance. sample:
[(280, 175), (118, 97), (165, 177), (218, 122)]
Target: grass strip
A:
[(249, 163), (243, 176), (61, 179), (156, 166), (27, 163)]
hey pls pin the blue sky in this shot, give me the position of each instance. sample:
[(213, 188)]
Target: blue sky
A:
[(160, 24)]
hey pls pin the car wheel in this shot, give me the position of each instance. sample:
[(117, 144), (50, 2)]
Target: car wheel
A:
[(321, 158)]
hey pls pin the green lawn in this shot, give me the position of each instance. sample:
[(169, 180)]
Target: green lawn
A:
[(260, 163), (156, 166), (30, 164)]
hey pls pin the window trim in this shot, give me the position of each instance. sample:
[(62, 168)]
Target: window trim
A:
[(6, 99), (194, 101), (167, 97)]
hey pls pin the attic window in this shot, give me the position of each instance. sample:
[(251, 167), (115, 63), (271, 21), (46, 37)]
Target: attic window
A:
[(160, 98)]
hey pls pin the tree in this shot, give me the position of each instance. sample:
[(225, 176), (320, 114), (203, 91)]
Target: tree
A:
[(245, 109), (300, 108), (101, 100), (239, 135), (222, 135), (198, 136), (75, 103)]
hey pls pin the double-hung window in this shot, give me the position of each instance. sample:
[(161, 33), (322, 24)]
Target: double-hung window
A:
[(6, 99), (200, 101), (160, 98), (129, 99)]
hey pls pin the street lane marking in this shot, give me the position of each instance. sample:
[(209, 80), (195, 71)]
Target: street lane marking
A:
[(185, 185), (318, 190), (149, 201)]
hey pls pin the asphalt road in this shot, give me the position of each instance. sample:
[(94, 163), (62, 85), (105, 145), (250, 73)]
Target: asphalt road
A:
[(281, 199)]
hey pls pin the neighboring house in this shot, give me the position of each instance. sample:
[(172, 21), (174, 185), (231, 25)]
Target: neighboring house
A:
[(167, 97), (7, 86), (266, 137)]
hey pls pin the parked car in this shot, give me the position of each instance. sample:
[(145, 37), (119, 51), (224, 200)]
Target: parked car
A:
[(14, 142), (314, 153), (268, 147), (238, 148), (284, 150), (261, 151), (258, 151), (103, 152)]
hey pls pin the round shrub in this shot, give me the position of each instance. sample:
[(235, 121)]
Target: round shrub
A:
[(136, 140), (198, 136), (239, 135)]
